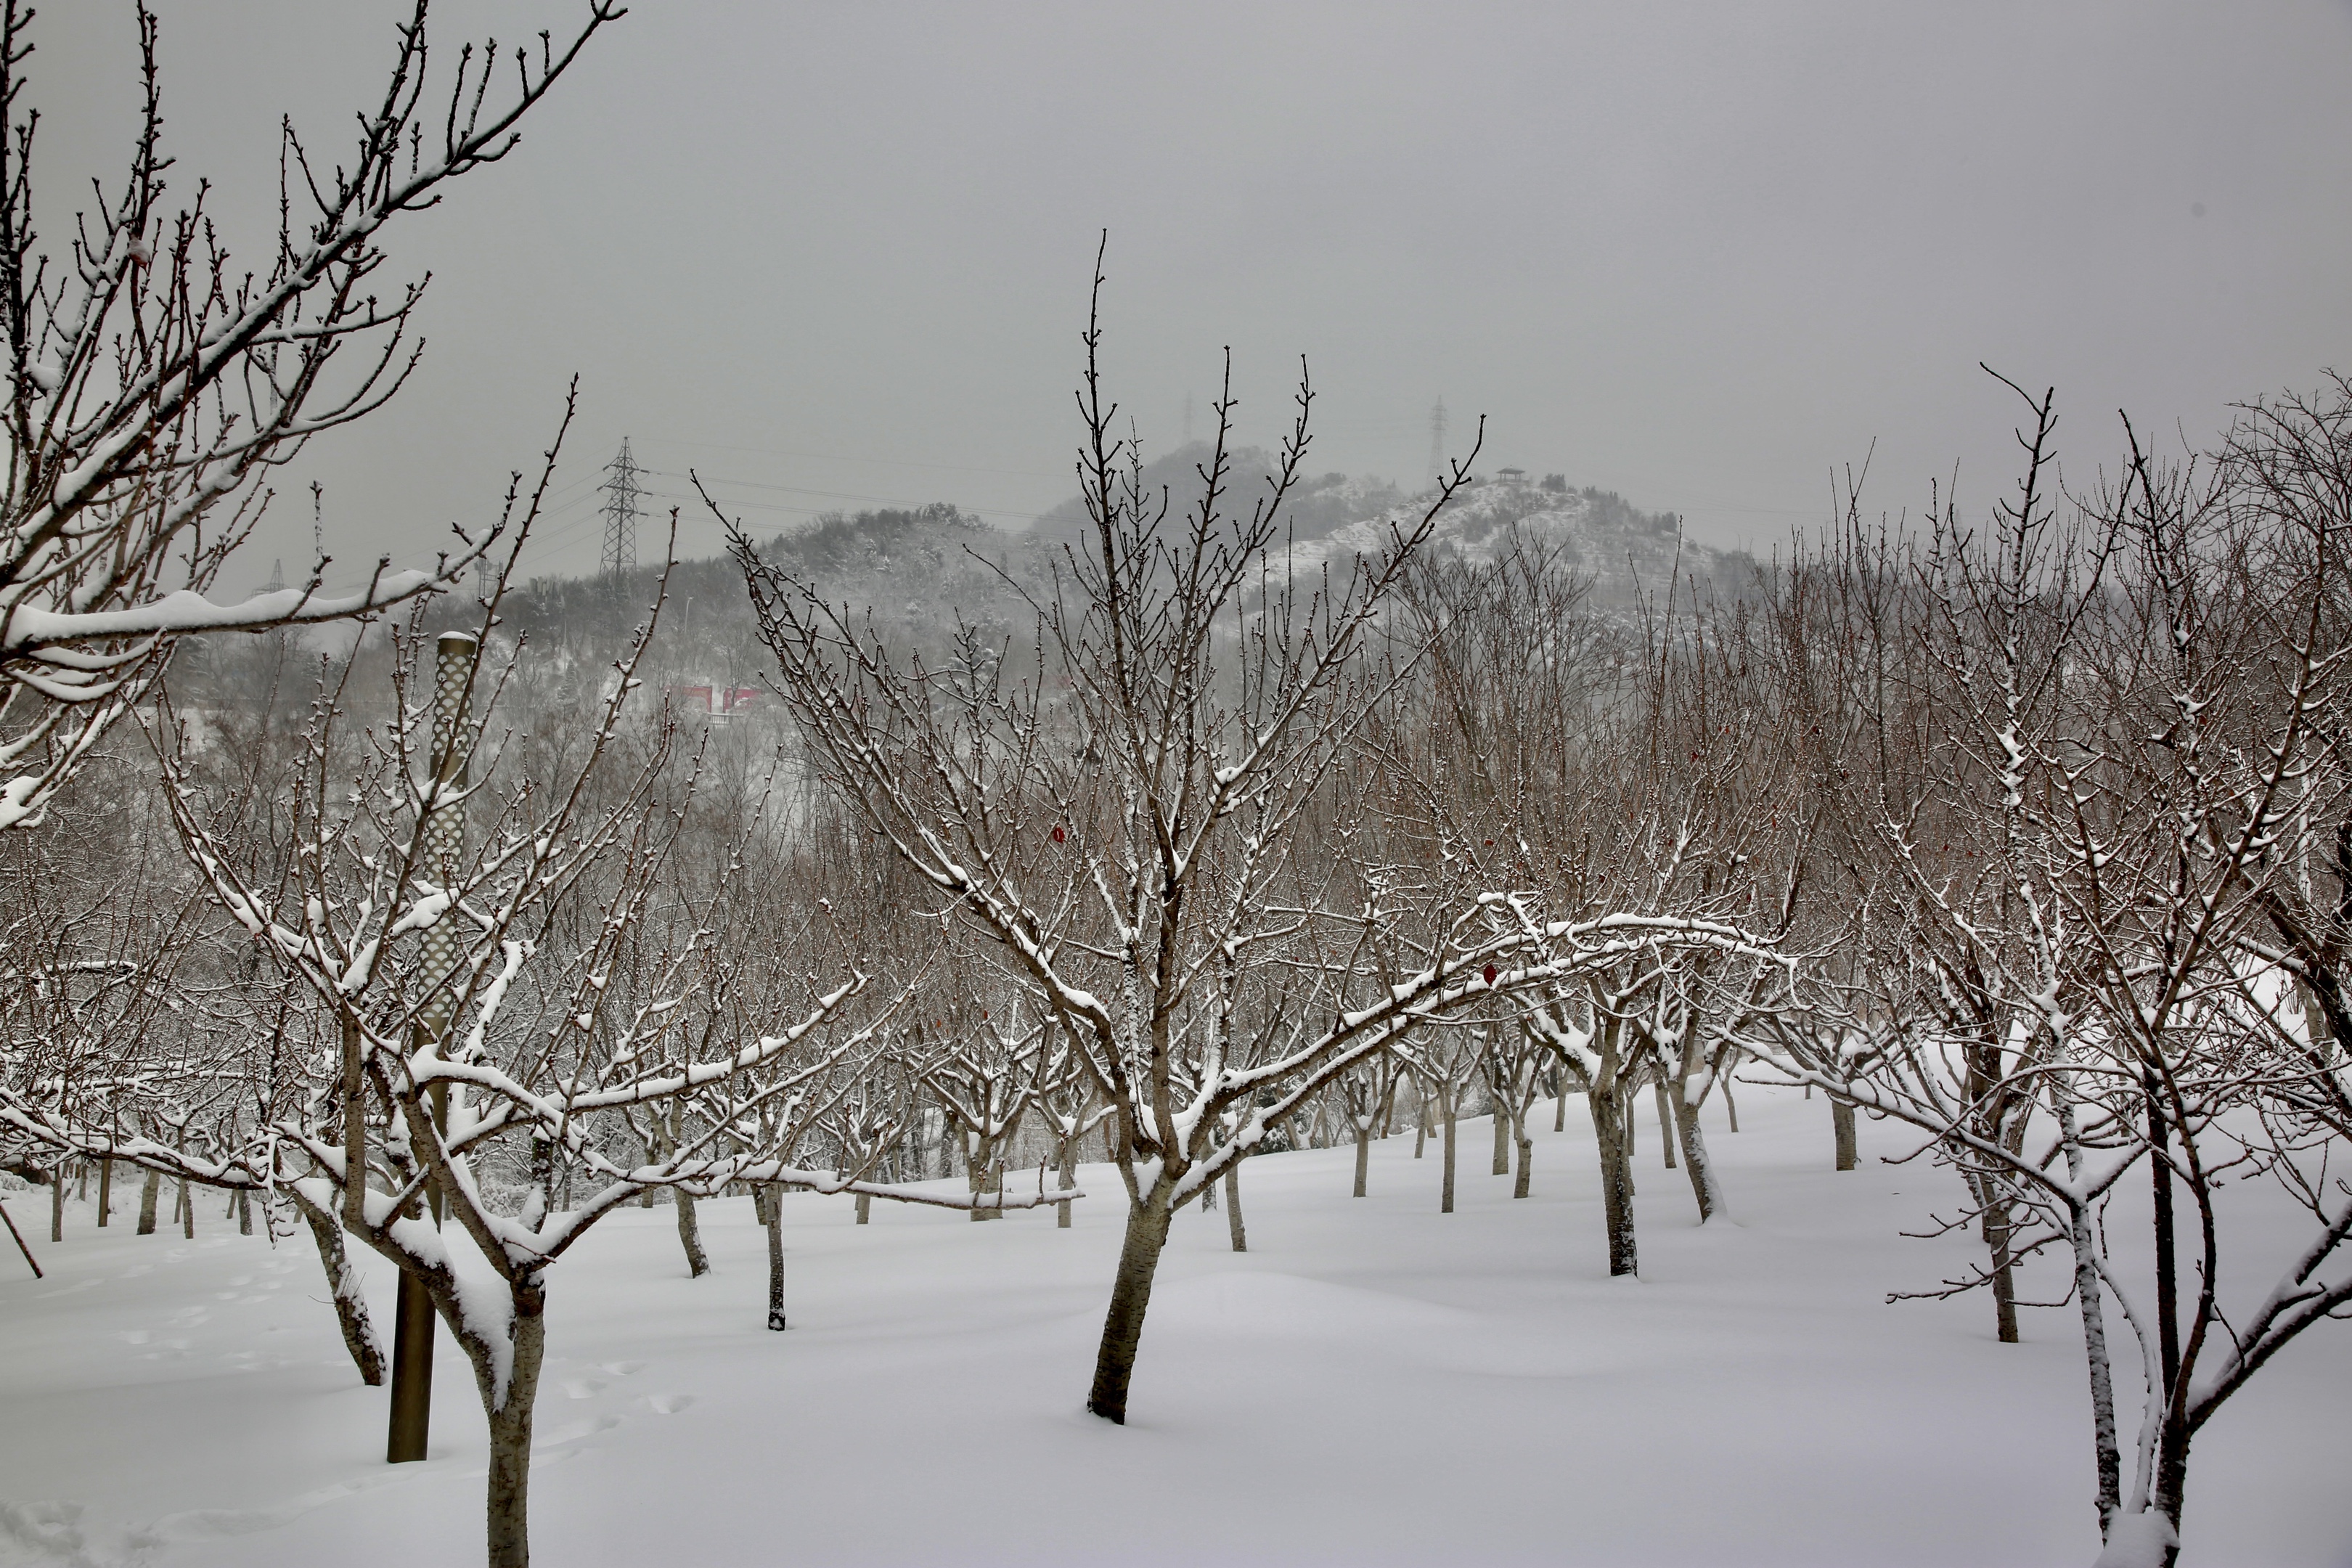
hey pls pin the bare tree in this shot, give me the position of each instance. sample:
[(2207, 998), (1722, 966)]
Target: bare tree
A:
[(2165, 767), (154, 382)]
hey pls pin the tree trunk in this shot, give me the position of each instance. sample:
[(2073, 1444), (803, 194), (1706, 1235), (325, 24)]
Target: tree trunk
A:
[(1526, 1154), (351, 1306), (1069, 1179), (1665, 1120), (187, 1211), (1421, 1125), (771, 1215), (1446, 1202), (510, 1476), (1502, 1137), (148, 1192), (689, 1234), (2171, 1476), (1560, 1107), (2167, 1275), (1363, 1154), (866, 1205), (2105, 1449), (1706, 1186), (1730, 1106), (2004, 1279), (57, 1204), (1842, 1124), (976, 1165), (1609, 1129), (1131, 1294), (243, 1212), (1234, 1207), (105, 1191)]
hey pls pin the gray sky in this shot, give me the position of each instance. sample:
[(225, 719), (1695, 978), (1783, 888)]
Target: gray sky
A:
[(1701, 255)]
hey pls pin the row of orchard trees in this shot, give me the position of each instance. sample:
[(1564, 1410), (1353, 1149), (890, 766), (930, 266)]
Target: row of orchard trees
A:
[(2030, 836)]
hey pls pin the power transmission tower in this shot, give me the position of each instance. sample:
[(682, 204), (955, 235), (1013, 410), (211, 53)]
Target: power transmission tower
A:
[(621, 493), (1437, 443), (277, 583)]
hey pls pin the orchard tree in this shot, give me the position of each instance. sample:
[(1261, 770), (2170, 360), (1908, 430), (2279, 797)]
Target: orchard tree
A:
[(153, 381), (1125, 814)]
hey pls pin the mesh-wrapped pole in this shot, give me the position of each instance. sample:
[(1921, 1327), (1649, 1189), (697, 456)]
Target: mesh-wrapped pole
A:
[(443, 830), (444, 824)]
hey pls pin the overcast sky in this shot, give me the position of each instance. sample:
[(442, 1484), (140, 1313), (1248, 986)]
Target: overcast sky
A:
[(836, 254)]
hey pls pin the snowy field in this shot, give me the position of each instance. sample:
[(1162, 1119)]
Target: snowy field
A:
[(1373, 1383)]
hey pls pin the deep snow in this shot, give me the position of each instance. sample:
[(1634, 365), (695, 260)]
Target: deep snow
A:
[(1373, 1383)]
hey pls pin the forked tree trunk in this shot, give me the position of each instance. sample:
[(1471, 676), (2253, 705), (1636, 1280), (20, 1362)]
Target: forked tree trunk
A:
[(1363, 1152), (980, 1170), (1131, 1294), (1842, 1124), (771, 1215), (1665, 1120), (148, 1192), (1609, 1127), (351, 1306), (1233, 1206)]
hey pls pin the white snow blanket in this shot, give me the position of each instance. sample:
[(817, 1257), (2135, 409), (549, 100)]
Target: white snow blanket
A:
[(1373, 1383)]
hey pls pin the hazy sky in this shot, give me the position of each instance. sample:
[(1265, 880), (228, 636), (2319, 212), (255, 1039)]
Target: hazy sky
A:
[(837, 255)]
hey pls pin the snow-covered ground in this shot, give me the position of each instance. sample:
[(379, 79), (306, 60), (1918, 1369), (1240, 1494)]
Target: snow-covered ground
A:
[(1373, 1383)]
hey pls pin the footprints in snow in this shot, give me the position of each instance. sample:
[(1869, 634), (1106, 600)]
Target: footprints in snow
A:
[(600, 1378)]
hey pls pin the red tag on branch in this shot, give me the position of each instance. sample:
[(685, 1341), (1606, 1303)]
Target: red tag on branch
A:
[(1059, 837), (1489, 972)]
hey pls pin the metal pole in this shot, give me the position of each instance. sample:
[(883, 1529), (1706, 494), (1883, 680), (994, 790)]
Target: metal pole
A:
[(444, 843)]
